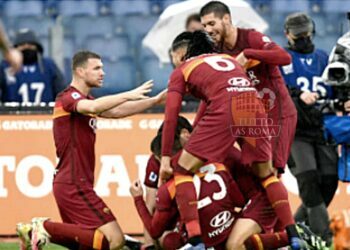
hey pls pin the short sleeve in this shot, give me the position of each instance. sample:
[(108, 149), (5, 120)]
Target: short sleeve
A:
[(152, 172), (70, 100), (257, 40)]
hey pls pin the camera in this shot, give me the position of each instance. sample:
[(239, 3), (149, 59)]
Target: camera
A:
[(337, 72)]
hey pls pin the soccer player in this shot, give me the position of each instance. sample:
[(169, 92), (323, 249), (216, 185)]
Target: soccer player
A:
[(87, 221), (220, 201), (218, 197), (12, 56), (221, 82), (247, 45), (183, 131)]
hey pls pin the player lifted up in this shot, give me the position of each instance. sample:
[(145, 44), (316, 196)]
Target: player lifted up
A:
[(221, 82)]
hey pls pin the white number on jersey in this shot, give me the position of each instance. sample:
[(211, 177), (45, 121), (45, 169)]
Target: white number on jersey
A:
[(315, 87), (38, 87), (209, 177), (219, 63)]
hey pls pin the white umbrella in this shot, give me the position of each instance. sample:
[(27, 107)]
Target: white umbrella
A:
[(172, 22)]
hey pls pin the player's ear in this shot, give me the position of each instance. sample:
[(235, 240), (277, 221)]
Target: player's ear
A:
[(226, 18), (80, 71)]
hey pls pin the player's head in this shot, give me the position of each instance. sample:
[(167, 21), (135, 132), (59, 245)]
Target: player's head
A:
[(200, 44), (183, 130), (193, 23), (179, 48), (216, 20), (28, 43), (87, 67), (299, 29), (156, 146)]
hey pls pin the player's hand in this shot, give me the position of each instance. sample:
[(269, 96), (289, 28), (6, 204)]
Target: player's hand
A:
[(347, 106), (242, 60), (140, 92), (309, 98), (136, 189), (14, 58), (166, 171), (161, 97)]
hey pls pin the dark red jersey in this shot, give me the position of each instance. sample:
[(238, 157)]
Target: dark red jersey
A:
[(218, 197), (74, 136), (152, 172), (266, 76), (213, 78)]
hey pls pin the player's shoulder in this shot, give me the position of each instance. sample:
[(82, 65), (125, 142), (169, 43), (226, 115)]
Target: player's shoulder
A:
[(69, 92)]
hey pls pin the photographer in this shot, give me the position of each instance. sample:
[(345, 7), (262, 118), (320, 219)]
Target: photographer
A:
[(313, 161)]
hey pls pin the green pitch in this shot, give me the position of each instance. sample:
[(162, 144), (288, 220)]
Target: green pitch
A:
[(15, 246)]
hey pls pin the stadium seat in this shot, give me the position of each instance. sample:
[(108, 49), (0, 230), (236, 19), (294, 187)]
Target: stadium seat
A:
[(109, 48), (67, 69), (320, 24), (127, 7), (137, 25), (288, 6), (15, 8), (39, 24), (84, 26), (82, 7), (152, 69), (69, 47), (281, 39), (336, 6), (45, 41), (336, 23), (166, 3), (325, 43), (120, 76)]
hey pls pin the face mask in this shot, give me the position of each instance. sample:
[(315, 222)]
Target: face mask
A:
[(30, 56), (303, 45)]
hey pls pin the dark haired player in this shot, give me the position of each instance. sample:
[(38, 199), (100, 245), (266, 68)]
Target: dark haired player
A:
[(87, 221)]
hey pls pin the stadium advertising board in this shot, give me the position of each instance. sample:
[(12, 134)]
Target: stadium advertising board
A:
[(27, 162)]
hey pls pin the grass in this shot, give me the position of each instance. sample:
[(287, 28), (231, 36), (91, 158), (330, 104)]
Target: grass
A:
[(15, 246)]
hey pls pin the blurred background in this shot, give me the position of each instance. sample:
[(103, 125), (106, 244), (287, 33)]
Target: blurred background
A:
[(115, 29)]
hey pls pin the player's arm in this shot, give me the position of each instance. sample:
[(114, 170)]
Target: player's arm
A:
[(200, 112), (102, 104), (150, 204), (156, 224), (265, 50), (176, 90), (133, 107), (13, 56)]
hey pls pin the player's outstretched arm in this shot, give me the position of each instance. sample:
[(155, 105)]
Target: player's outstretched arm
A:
[(102, 104), (134, 107), (13, 56)]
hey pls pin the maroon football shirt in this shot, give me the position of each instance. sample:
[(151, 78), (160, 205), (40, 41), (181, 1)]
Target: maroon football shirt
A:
[(266, 77), (213, 78), (74, 136), (152, 172)]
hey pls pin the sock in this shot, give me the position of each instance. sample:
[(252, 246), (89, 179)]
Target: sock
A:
[(267, 241), (61, 233), (278, 197), (186, 199)]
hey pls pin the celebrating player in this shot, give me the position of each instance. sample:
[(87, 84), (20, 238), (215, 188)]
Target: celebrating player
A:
[(221, 82), (87, 221)]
